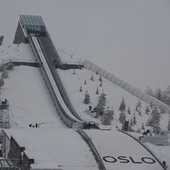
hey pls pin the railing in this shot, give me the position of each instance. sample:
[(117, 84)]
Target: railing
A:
[(134, 91)]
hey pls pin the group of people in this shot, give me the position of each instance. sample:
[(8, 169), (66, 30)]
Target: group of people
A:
[(164, 164), (34, 125), (4, 102), (145, 133)]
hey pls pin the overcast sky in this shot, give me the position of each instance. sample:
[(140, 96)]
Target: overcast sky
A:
[(129, 38)]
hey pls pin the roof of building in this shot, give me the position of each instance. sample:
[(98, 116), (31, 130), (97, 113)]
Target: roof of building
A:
[(54, 148), (33, 23)]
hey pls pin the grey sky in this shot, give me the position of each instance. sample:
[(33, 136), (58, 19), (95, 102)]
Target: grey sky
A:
[(130, 38)]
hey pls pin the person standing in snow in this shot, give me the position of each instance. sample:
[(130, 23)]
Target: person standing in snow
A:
[(164, 164)]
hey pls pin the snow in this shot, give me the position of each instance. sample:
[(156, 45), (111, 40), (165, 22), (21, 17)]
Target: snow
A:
[(55, 148), (127, 38), (27, 94), (30, 101), (114, 95), (117, 144)]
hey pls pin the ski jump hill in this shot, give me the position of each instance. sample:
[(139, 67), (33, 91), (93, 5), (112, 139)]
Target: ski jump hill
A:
[(71, 148)]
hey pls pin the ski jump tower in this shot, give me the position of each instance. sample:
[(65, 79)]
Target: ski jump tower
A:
[(29, 24)]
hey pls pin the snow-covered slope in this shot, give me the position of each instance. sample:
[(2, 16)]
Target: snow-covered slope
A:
[(26, 92), (120, 151), (114, 95), (55, 149), (30, 103)]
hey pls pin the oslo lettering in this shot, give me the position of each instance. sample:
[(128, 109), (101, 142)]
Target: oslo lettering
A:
[(125, 159)]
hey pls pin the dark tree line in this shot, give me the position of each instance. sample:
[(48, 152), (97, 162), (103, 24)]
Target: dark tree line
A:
[(162, 95)]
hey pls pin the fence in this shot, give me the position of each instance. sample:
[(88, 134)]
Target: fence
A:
[(134, 91)]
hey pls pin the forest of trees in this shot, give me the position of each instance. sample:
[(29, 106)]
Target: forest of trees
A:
[(126, 114), (162, 95)]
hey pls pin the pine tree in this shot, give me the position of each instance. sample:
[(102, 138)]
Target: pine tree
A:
[(168, 125), (10, 66), (1, 82), (85, 82), (100, 108), (107, 117), (162, 111), (4, 74), (129, 110), (149, 91), (151, 105), (147, 110), (156, 129), (130, 128), (100, 79), (158, 94), (155, 118), (134, 119), (2, 67), (80, 90), (138, 106), (140, 113), (86, 98), (143, 127), (92, 78), (122, 117), (131, 122), (122, 106), (165, 97), (97, 91)]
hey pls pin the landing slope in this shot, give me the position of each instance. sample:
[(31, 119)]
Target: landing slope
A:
[(120, 151)]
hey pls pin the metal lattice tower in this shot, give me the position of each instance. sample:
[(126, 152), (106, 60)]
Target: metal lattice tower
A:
[(4, 116), (10, 164)]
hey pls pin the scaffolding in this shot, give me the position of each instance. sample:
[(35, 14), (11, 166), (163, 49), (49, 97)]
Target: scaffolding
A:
[(4, 115), (10, 164)]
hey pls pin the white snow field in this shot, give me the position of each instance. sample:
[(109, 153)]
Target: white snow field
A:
[(55, 148), (29, 100)]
